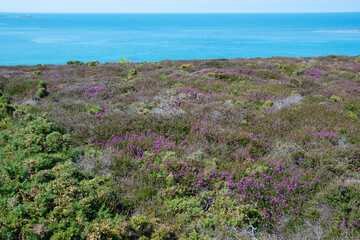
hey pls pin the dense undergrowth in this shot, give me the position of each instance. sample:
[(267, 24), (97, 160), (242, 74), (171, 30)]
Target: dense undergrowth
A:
[(44, 195), (202, 149)]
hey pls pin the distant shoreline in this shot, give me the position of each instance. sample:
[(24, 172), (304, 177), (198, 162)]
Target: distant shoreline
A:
[(310, 59), (21, 16)]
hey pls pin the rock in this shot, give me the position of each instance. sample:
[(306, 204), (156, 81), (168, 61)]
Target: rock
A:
[(228, 103), (119, 111), (182, 96), (30, 102), (343, 143), (157, 111), (216, 115), (134, 109), (293, 99)]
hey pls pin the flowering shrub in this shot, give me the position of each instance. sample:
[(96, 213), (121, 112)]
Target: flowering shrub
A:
[(93, 91), (45, 196), (210, 149)]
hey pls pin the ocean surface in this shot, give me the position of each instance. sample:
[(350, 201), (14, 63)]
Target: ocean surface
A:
[(56, 38)]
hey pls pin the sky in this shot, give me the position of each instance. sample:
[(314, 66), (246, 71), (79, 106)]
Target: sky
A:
[(178, 6)]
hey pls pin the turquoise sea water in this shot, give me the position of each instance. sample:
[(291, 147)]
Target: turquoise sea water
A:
[(57, 38)]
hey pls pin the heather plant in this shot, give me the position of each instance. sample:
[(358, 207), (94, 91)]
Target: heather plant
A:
[(44, 195), (21, 87), (224, 149)]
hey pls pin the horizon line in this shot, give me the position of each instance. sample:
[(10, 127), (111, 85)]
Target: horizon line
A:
[(174, 12)]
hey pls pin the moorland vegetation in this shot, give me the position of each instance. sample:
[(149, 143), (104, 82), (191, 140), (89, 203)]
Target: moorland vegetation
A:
[(199, 149)]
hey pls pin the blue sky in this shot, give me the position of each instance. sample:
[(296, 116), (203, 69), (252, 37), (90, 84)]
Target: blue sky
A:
[(178, 6)]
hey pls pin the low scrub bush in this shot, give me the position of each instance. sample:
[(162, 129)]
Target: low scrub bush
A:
[(42, 90), (43, 195)]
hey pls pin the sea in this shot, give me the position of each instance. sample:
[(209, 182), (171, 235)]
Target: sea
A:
[(34, 38)]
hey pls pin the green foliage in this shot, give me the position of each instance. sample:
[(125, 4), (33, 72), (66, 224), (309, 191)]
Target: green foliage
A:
[(92, 63), (267, 104), (127, 89), (352, 115), (215, 74), (243, 79), (6, 110), (335, 98), (20, 86), (353, 108), (132, 73), (37, 73), (178, 85), (76, 62), (187, 65), (93, 109), (346, 200), (43, 195), (214, 159), (343, 199), (42, 92), (235, 91), (124, 60)]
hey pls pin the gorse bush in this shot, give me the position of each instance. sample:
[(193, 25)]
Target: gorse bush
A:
[(132, 73), (76, 62), (187, 66), (37, 73), (124, 60), (43, 195), (196, 149), (93, 63), (6, 110), (42, 90)]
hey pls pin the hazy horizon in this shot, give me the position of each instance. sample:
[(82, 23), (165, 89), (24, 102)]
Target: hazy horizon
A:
[(184, 6), (174, 12)]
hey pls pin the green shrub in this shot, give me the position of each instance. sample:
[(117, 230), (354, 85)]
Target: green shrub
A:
[(37, 73), (352, 115), (19, 86), (42, 92), (132, 73), (6, 110), (43, 195), (335, 98), (92, 63), (187, 65), (216, 74), (93, 109), (124, 60), (76, 62)]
